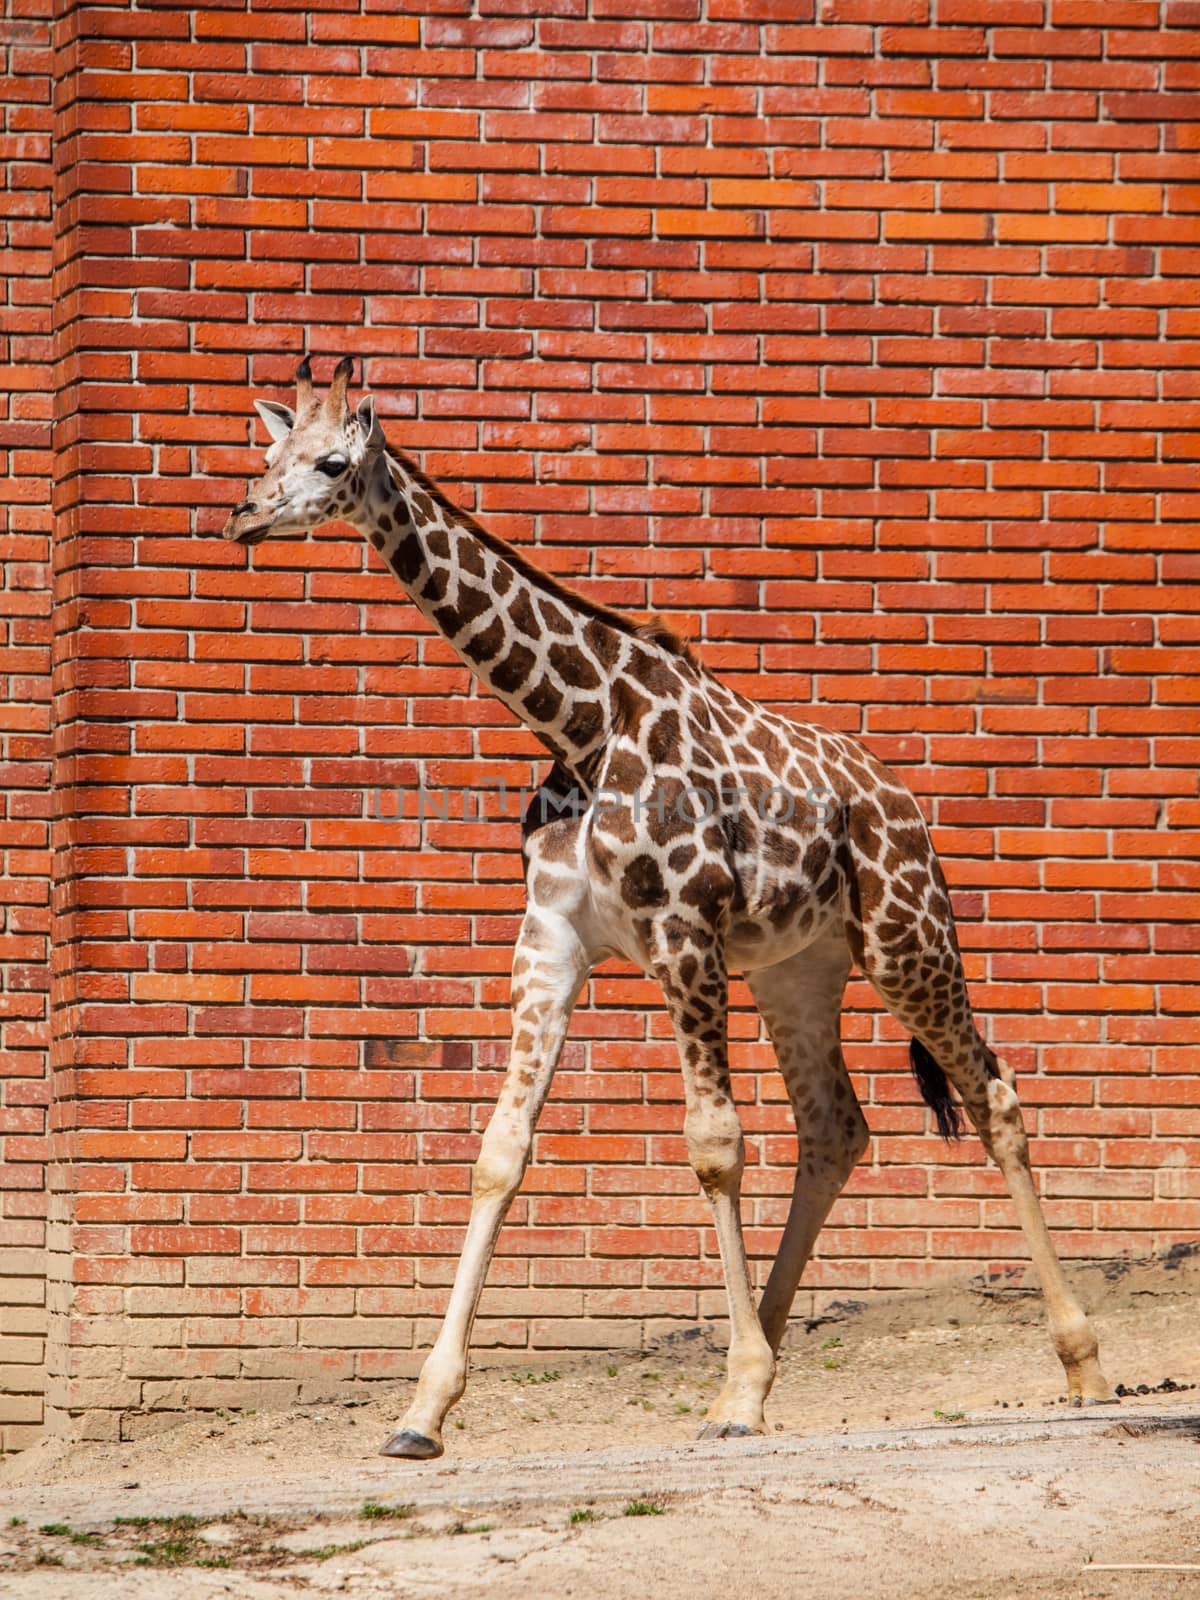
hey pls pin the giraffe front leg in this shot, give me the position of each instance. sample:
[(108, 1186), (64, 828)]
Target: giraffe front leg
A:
[(696, 988), (549, 970), (716, 1151)]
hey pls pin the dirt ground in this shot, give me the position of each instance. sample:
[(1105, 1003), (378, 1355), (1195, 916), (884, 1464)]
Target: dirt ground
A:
[(919, 1449)]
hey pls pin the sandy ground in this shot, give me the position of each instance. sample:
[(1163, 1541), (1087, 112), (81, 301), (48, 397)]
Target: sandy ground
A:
[(917, 1450)]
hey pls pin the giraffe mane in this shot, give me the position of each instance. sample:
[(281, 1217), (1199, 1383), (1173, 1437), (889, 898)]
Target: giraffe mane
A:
[(653, 629), (657, 630)]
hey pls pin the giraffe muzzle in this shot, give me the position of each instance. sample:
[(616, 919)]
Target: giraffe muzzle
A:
[(247, 525)]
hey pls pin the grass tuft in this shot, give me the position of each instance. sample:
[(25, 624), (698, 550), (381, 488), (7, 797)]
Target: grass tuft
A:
[(324, 1551), (374, 1511), (644, 1508), (183, 1522), (167, 1552)]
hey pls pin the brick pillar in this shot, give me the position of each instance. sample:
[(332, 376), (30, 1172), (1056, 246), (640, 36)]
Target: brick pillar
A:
[(26, 385), (100, 267)]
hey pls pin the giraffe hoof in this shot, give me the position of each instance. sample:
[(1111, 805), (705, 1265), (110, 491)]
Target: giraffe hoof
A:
[(410, 1445), (725, 1430)]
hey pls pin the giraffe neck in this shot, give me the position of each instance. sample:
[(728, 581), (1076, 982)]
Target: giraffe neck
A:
[(548, 654)]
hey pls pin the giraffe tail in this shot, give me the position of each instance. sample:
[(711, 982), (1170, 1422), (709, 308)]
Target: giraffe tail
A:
[(935, 1091)]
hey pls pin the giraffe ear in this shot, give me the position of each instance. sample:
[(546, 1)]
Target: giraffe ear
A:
[(280, 420), (368, 423)]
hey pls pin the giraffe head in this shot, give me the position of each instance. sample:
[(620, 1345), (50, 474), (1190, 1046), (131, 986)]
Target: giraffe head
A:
[(315, 464)]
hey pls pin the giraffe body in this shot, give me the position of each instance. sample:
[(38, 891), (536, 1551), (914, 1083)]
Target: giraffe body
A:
[(693, 832)]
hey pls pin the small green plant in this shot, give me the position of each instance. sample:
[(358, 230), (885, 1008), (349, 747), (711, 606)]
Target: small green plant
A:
[(16, 1522), (831, 1365), (46, 1558), (373, 1511), (212, 1561), (473, 1527), (583, 1514), (643, 1508), (682, 1406), (59, 1528), (611, 1370), (177, 1548), (184, 1522), (86, 1538), (166, 1552), (832, 1344), (535, 1377), (324, 1551), (949, 1416)]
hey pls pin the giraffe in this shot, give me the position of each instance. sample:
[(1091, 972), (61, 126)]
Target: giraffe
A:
[(693, 832)]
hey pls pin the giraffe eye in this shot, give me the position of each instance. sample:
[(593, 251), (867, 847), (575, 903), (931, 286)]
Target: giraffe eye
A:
[(331, 466)]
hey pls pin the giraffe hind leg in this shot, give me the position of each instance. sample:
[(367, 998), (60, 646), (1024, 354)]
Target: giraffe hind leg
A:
[(800, 1000), (947, 1046), (1072, 1334)]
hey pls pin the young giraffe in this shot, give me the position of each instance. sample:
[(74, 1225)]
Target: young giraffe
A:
[(692, 832)]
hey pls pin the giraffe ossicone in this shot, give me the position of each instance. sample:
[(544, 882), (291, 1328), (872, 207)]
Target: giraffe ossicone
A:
[(730, 838)]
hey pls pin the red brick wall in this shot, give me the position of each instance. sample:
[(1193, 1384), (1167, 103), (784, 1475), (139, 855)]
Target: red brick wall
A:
[(26, 385), (863, 345)]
